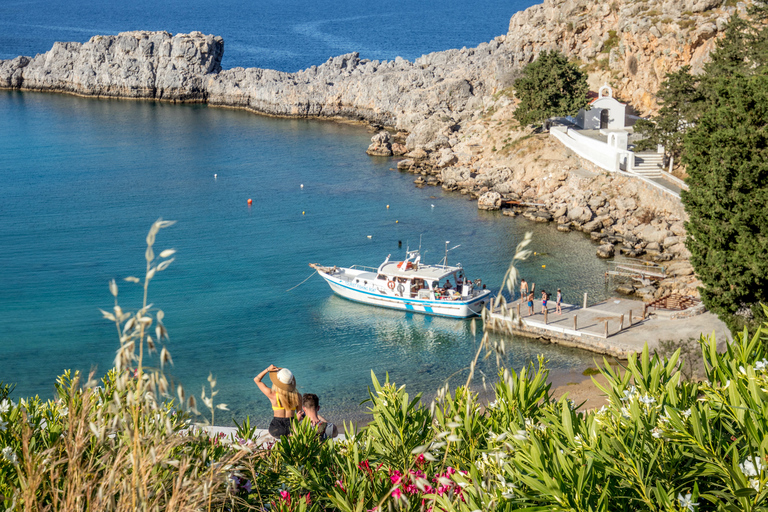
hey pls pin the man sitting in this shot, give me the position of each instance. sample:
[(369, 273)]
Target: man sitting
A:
[(311, 405)]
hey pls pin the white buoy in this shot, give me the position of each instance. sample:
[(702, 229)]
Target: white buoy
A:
[(433, 206), (215, 175), (369, 236), (302, 185)]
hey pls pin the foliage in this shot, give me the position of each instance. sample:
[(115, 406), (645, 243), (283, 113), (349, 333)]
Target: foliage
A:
[(662, 443), (680, 100), (727, 202), (716, 123), (550, 86)]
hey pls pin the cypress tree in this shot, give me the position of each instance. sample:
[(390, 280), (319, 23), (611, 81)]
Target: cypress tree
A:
[(726, 156)]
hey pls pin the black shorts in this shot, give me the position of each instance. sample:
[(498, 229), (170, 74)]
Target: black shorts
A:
[(280, 427)]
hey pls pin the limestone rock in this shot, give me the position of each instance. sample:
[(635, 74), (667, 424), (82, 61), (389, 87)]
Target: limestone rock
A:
[(381, 144), (152, 65), (605, 251), (489, 201)]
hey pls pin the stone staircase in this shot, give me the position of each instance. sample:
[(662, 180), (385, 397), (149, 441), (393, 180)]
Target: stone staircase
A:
[(648, 164)]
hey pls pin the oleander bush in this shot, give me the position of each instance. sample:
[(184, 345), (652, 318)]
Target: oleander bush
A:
[(663, 443)]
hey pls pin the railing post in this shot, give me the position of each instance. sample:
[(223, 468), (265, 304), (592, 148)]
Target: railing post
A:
[(585, 300), (621, 323), (645, 310), (518, 308), (630, 318), (546, 310), (575, 325), (606, 328)]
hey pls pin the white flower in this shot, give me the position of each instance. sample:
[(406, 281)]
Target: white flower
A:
[(751, 466), (5, 406), (755, 484), (384, 403), (647, 399), (10, 455), (742, 370), (493, 404), (492, 437), (687, 413), (761, 365), (577, 439), (3, 424), (657, 432), (64, 411), (528, 423), (685, 501), (521, 435), (628, 393), (625, 412)]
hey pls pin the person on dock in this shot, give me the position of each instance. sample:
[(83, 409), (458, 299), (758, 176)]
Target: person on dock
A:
[(523, 289), (530, 304), (311, 405), (283, 396), (559, 300), (544, 298)]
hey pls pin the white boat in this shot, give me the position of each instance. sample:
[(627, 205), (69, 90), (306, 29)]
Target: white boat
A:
[(408, 285)]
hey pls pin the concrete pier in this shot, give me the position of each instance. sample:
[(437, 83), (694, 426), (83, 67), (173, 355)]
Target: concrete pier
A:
[(615, 327)]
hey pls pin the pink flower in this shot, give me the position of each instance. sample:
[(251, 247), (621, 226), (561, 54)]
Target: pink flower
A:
[(286, 496), (338, 482), (309, 500), (397, 494)]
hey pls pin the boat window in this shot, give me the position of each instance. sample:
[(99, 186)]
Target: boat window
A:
[(381, 276), (433, 285)]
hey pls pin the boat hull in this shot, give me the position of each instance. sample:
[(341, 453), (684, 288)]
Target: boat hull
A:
[(446, 308)]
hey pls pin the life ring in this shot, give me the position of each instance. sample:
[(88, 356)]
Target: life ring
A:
[(391, 285), (400, 289)]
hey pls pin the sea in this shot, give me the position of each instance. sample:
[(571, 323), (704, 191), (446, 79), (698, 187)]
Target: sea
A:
[(84, 179)]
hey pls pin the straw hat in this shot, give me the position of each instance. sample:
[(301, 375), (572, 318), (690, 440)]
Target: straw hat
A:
[(283, 379)]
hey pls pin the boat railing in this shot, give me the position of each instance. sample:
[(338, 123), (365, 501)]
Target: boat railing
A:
[(363, 267)]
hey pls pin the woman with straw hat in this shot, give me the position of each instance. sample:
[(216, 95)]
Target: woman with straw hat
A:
[(283, 396)]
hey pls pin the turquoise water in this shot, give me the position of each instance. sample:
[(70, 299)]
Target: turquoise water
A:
[(84, 179)]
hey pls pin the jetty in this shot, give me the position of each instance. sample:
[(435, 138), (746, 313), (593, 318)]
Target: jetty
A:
[(616, 326)]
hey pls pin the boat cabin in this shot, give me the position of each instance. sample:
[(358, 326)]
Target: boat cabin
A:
[(426, 282)]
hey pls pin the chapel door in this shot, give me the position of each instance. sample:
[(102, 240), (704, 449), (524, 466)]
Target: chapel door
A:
[(604, 118)]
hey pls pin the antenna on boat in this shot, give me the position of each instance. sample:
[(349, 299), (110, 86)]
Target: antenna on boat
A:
[(421, 235), (445, 260)]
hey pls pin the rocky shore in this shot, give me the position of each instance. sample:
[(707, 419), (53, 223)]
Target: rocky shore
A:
[(448, 113)]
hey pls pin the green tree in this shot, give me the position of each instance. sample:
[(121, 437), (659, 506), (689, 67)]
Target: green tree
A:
[(681, 101), (726, 156), (549, 86)]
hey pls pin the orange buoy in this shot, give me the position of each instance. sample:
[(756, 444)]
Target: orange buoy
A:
[(250, 202), (302, 213)]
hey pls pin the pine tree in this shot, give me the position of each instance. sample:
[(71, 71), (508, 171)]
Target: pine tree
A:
[(550, 86), (681, 102)]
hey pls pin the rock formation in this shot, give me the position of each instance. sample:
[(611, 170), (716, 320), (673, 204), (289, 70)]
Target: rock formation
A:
[(454, 105)]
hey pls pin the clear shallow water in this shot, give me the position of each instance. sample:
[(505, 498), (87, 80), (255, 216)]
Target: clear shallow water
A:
[(287, 35), (84, 179)]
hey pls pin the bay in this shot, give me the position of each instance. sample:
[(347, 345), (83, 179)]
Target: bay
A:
[(83, 180)]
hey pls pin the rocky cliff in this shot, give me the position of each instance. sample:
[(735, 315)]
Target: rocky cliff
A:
[(149, 65), (629, 43)]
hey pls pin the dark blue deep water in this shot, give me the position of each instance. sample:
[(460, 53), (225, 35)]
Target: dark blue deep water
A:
[(83, 179)]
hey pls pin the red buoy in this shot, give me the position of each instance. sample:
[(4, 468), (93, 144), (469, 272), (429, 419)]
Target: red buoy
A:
[(250, 202)]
